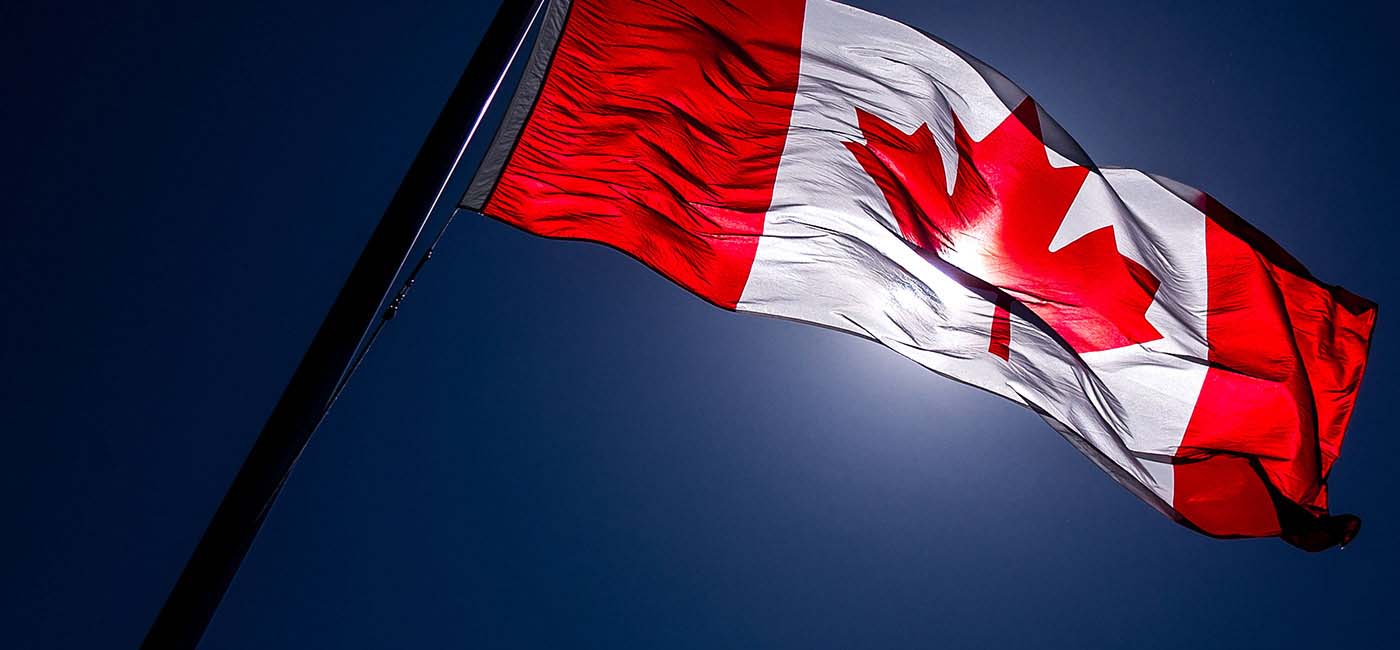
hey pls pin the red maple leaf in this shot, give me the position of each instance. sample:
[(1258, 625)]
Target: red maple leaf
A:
[(1007, 204)]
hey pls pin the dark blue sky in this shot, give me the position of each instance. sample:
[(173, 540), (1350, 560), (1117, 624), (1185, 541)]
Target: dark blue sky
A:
[(554, 447)]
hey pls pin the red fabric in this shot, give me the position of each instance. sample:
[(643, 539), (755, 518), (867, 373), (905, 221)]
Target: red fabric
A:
[(1006, 206), (1001, 331), (1287, 354), (658, 131)]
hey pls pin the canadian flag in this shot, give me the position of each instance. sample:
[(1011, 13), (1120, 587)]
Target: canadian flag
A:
[(811, 161)]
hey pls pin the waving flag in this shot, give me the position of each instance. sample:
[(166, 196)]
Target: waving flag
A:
[(815, 162)]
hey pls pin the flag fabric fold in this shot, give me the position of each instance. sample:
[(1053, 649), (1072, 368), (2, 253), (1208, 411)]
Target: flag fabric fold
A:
[(811, 161)]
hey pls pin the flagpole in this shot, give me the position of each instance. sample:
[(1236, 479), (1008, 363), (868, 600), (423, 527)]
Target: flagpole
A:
[(206, 576)]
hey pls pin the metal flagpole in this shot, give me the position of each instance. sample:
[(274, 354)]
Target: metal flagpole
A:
[(210, 569)]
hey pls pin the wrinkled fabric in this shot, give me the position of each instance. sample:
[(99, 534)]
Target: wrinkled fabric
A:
[(815, 162)]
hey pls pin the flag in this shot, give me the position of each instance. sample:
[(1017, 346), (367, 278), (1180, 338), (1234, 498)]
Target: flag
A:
[(807, 160)]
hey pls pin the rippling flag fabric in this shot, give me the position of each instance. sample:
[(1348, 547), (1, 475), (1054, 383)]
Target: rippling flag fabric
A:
[(815, 162)]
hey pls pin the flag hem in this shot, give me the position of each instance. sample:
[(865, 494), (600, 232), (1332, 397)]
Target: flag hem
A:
[(521, 106)]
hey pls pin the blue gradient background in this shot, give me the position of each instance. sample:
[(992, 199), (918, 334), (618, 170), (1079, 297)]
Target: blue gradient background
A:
[(554, 447)]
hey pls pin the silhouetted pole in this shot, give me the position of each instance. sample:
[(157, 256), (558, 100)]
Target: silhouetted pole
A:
[(188, 610)]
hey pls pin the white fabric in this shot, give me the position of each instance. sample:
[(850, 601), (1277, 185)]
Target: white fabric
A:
[(831, 253)]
